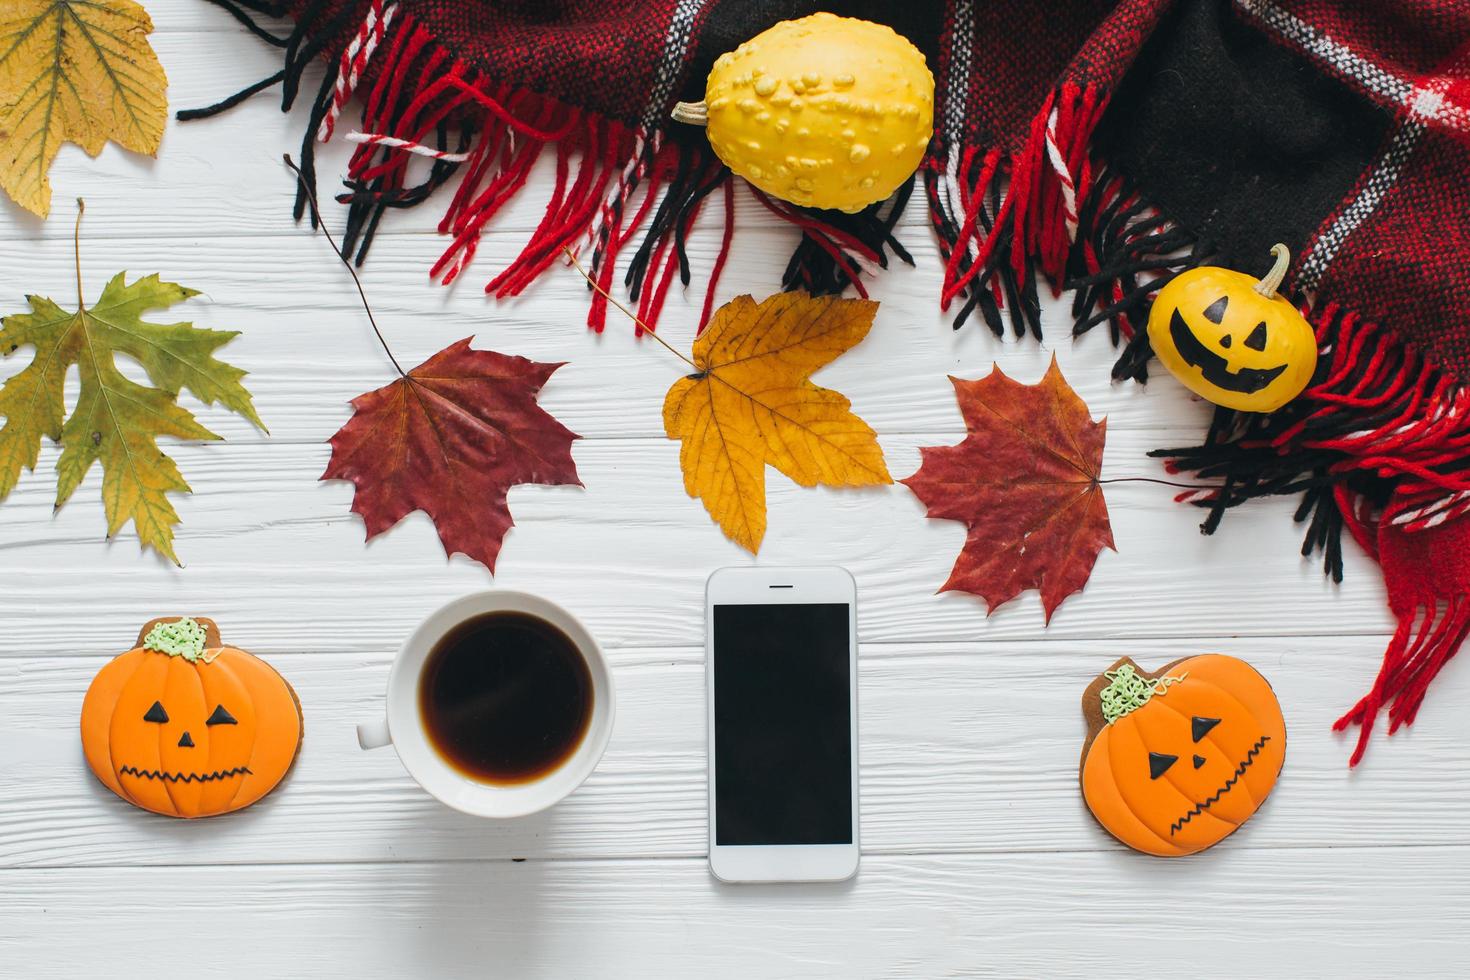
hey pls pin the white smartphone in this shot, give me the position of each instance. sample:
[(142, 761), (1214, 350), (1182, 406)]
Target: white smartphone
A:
[(781, 687)]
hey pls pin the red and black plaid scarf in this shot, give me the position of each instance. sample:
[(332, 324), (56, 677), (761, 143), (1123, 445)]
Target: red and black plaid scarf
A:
[(1099, 145)]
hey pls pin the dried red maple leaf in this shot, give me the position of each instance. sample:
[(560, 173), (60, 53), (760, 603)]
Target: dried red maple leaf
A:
[(450, 439), (1025, 483)]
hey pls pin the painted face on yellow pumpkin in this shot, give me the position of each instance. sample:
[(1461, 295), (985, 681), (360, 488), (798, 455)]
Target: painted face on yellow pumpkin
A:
[(1214, 366), (1231, 344)]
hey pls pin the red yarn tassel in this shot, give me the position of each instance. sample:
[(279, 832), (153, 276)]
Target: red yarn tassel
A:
[(1427, 573), (1426, 639), (1421, 421), (719, 267)]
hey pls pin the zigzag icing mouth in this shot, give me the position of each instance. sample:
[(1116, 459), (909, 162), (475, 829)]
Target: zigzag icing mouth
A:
[(1250, 757), (185, 777)]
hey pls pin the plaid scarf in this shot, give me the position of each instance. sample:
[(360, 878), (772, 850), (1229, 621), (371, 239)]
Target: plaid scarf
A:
[(1102, 146)]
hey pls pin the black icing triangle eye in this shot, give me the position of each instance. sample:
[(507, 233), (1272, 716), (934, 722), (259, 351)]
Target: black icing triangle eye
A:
[(223, 717), (1159, 763), (156, 713), (1257, 339), (1215, 312), (1200, 727)]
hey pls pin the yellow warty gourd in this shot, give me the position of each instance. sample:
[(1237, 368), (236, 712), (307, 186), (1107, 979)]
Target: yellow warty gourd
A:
[(824, 111)]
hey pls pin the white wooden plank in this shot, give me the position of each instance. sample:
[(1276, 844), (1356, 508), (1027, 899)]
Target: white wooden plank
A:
[(611, 392), (280, 555), (309, 348), (1316, 913), (967, 748), (289, 296)]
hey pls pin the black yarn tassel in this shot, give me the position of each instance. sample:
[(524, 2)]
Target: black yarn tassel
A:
[(306, 42), (1022, 302), (679, 191), (1239, 451), (296, 58), (1137, 253), (368, 201), (812, 268)]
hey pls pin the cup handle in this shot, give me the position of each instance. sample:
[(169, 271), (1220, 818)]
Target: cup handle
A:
[(374, 734)]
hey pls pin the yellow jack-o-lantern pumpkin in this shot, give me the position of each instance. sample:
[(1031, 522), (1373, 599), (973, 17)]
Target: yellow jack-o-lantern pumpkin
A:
[(1232, 339), (1177, 760), (185, 726), (823, 111)]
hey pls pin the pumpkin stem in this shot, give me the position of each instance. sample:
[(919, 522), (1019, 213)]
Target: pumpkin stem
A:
[(693, 113), (1127, 691), (181, 638), (1267, 287)]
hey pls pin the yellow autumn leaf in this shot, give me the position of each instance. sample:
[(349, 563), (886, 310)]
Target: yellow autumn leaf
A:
[(752, 403), (78, 70)]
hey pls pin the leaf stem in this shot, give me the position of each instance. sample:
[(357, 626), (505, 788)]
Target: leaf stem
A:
[(631, 315), (317, 214), (1162, 483), (76, 242)]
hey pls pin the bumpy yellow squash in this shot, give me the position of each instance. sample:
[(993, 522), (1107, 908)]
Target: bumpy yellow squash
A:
[(824, 111)]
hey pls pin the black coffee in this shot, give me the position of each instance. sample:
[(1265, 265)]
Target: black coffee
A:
[(505, 697)]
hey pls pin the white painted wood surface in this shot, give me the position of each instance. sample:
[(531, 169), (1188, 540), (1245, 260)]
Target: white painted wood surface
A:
[(980, 859)]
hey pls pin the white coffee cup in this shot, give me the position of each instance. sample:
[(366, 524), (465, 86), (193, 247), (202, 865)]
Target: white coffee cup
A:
[(403, 725)]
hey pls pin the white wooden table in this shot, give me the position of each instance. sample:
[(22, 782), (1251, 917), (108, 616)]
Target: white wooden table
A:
[(979, 857)]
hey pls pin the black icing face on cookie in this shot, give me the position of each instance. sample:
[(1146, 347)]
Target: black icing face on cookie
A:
[(157, 714)]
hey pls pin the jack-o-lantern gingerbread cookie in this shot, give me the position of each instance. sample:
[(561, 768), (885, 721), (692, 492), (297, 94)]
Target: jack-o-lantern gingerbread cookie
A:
[(1178, 759), (185, 726)]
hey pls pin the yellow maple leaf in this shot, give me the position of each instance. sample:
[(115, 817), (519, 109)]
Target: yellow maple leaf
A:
[(78, 70), (752, 402)]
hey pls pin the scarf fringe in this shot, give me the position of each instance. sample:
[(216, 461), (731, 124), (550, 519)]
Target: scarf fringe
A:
[(1061, 215), (1125, 252), (614, 181), (976, 234), (1427, 638), (1376, 417)]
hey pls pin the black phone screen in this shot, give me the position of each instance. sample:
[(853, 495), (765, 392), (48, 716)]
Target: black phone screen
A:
[(783, 746)]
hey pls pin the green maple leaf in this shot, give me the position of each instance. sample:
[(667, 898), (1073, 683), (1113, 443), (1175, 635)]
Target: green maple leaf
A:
[(115, 420)]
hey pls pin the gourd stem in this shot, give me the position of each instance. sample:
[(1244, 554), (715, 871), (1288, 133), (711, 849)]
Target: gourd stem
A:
[(1267, 286), (693, 113)]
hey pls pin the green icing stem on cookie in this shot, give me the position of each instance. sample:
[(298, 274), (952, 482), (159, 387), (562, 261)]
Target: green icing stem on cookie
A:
[(1127, 691), (181, 638)]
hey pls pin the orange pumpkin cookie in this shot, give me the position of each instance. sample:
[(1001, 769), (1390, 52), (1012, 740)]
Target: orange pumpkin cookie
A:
[(1176, 760), (185, 726)]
